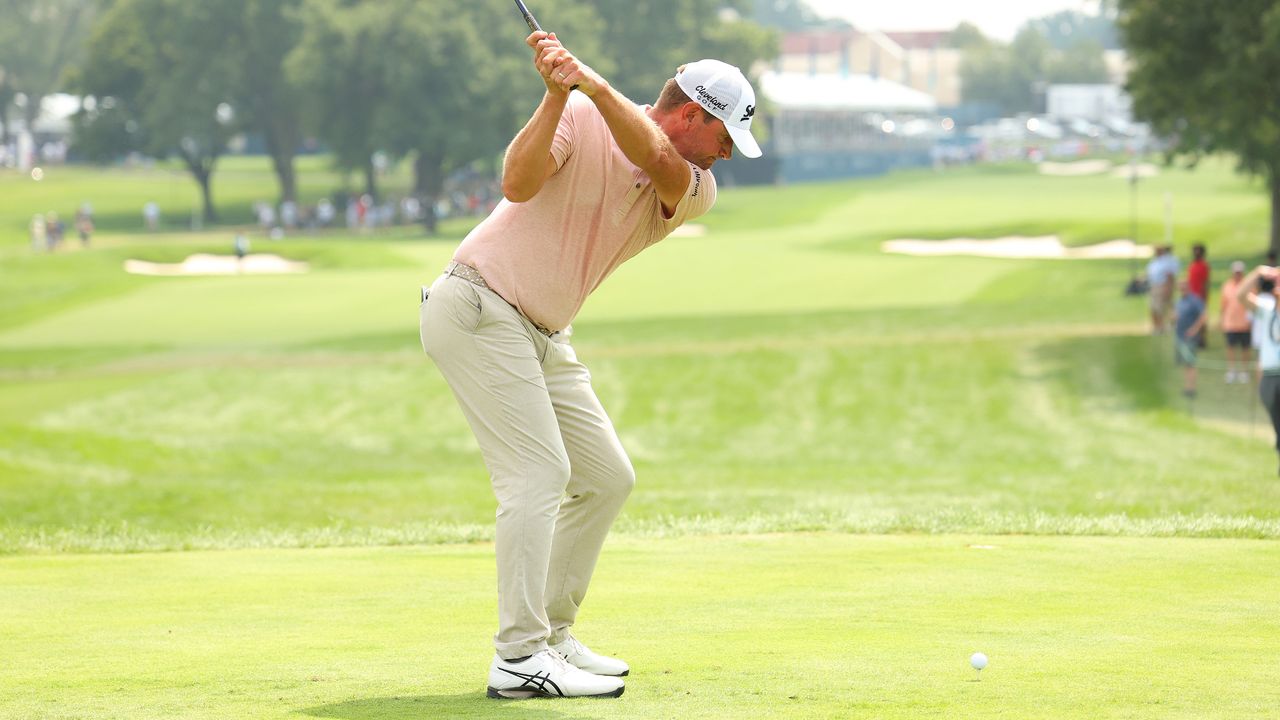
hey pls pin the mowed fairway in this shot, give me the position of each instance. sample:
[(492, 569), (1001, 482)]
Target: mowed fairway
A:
[(788, 626), (254, 496)]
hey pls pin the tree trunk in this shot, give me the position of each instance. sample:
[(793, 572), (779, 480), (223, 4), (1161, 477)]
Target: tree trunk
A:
[(206, 195), (1275, 213), (428, 183), (370, 179), (202, 170), (281, 151)]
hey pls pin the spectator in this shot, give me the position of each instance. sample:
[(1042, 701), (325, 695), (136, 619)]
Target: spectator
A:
[(39, 233), (1190, 321), (353, 213), (1198, 280), (1162, 273), (241, 245), (54, 230), (289, 214), (1262, 306), (84, 224), (1236, 327), (325, 213), (266, 216), (151, 215)]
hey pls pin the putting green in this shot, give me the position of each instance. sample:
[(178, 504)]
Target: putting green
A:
[(786, 626)]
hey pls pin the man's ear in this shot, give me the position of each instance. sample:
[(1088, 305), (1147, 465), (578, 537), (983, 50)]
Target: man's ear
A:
[(690, 112)]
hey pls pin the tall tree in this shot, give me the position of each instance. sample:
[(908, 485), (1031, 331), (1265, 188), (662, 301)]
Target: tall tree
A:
[(791, 15), (466, 83), (162, 82), (1070, 27), (38, 40), (1204, 76), (691, 30), (265, 99), (1014, 77), (337, 67)]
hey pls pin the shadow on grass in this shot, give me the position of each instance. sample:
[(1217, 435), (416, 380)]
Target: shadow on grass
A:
[(1133, 372), (466, 705)]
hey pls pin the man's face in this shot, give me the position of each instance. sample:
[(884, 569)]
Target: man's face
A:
[(701, 142)]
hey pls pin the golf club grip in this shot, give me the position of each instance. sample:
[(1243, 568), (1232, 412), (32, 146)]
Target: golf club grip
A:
[(528, 17), (533, 23)]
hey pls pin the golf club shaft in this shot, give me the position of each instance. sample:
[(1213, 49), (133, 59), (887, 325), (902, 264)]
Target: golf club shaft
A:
[(528, 17), (532, 22)]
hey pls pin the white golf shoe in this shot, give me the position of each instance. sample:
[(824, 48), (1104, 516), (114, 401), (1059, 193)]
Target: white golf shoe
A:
[(546, 674), (581, 657)]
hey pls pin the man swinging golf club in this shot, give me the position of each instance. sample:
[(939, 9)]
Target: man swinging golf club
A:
[(590, 181)]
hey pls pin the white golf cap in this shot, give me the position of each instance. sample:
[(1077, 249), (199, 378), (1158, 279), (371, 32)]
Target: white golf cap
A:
[(722, 90)]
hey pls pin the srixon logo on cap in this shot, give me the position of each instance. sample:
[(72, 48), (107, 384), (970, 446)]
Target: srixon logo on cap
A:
[(712, 100), (750, 113)]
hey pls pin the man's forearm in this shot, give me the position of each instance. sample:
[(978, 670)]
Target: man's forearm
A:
[(1245, 289), (524, 168), (643, 142)]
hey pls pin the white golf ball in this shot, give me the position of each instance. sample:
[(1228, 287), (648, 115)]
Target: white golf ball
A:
[(978, 661), (37, 174)]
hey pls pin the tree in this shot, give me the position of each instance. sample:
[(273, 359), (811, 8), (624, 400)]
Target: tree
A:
[(38, 40), (1204, 78), (1068, 28), (264, 98), (1014, 77), (161, 82), (691, 30), (966, 35), (1081, 63), (471, 89), (791, 15), (337, 67)]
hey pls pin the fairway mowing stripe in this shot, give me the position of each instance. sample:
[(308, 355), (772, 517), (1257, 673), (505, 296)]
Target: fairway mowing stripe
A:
[(730, 347), (286, 359)]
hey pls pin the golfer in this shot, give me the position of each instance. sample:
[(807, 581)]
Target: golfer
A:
[(590, 181)]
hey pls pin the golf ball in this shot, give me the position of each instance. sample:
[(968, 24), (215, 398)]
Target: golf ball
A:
[(978, 661), (37, 174)]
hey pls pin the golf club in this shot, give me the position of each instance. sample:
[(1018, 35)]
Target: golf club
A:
[(532, 22)]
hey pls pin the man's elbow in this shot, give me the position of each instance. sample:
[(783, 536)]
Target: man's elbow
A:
[(517, 192)]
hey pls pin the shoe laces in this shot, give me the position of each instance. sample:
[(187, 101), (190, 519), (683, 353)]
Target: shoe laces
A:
[(577, 646), (558, 660)]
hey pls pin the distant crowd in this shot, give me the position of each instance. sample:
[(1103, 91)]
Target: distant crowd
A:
[(358, 213), (48, 231), (1248, 318)]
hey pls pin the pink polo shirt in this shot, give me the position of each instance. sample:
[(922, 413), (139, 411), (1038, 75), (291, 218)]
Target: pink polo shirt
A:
[(546, 255)]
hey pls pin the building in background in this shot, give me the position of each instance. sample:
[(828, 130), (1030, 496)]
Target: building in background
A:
[(922, 61), (830, 125), (840, 102), (1095, 103)]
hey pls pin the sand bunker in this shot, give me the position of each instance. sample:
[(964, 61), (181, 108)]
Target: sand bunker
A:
[(1080, 167), (1048, 247), (1098, 167), (1142, 170), (202, 264)]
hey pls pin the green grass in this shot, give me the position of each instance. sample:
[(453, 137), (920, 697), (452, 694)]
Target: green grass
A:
[(820, 432), (788, 626)]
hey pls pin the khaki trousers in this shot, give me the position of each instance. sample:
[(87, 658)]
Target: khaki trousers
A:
[(558, 470)]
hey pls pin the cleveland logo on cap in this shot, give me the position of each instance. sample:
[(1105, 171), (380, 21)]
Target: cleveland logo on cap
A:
[(712, 100)]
